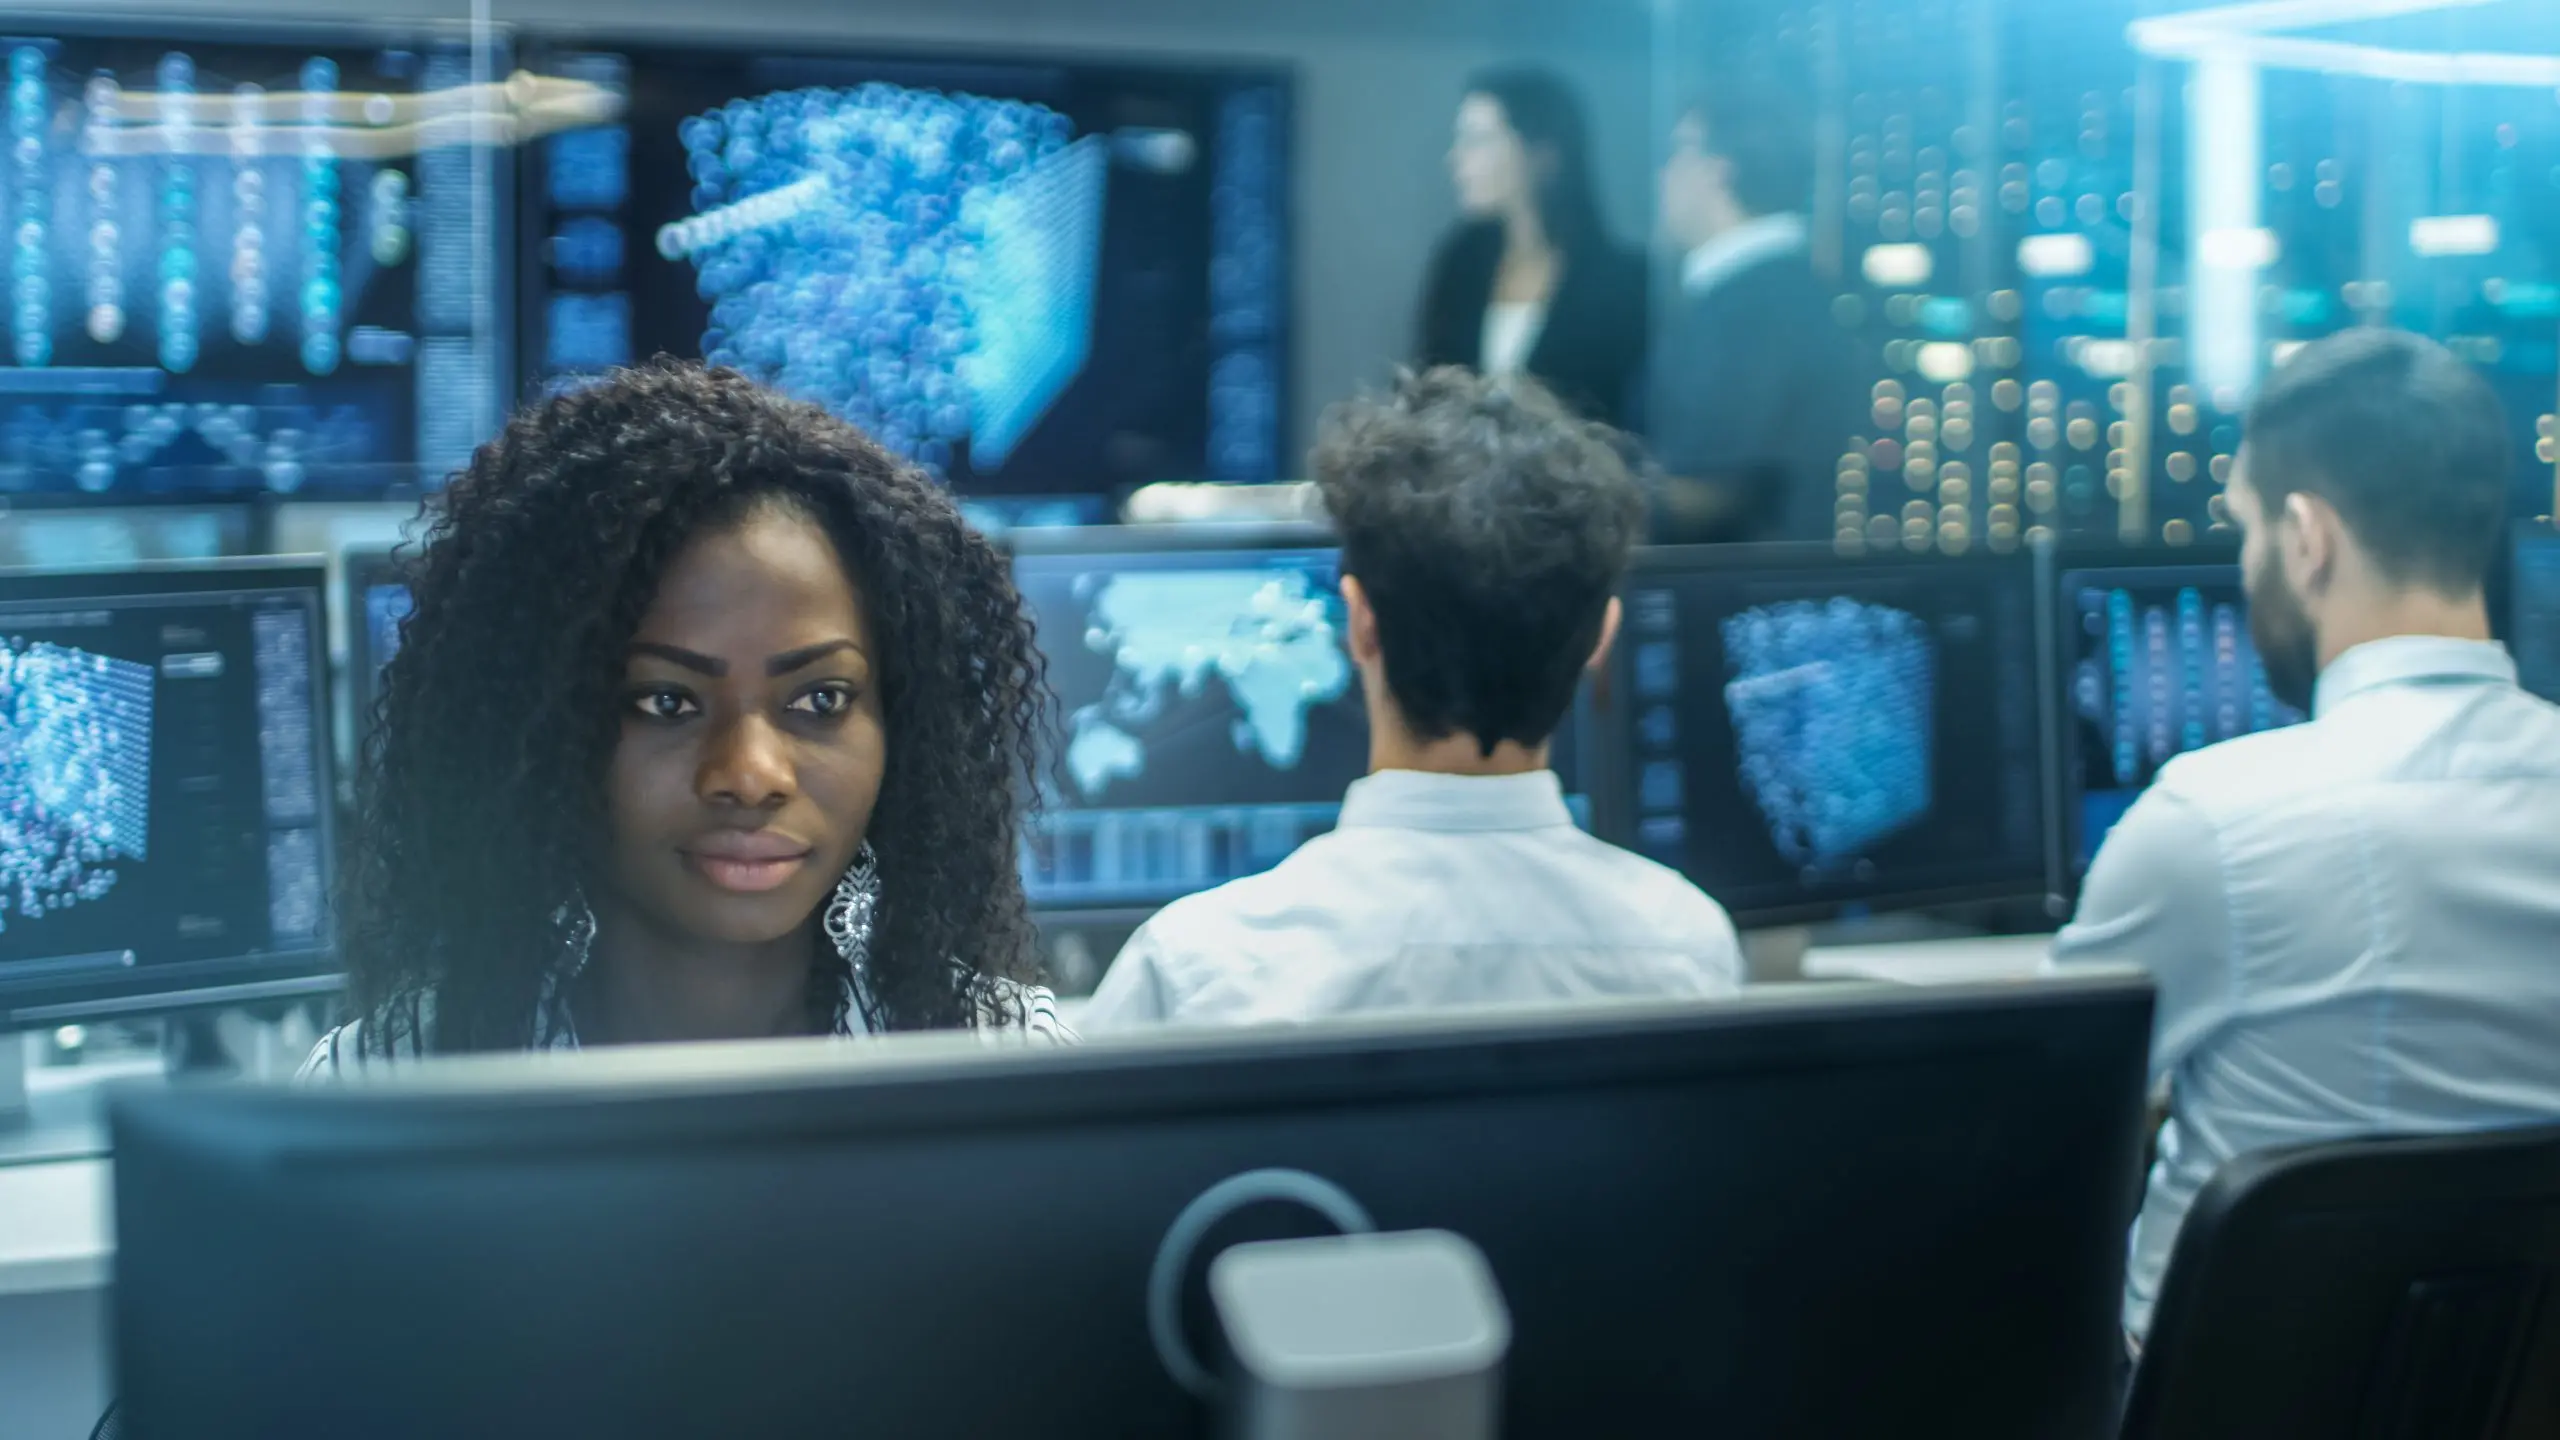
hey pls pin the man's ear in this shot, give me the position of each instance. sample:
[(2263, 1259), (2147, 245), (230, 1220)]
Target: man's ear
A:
[(2310, 541), (1363, 639), (1608, 635)]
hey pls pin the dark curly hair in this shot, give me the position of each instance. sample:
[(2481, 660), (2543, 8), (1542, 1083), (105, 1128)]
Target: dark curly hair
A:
[(1489, 527), (480, 800)]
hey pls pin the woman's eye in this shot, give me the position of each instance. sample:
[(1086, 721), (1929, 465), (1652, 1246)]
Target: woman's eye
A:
[(663, 704), (826, 702)]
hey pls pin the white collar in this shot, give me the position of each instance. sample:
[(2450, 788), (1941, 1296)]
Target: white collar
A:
[(2411, 660), (1420, 800), (1738, 249)]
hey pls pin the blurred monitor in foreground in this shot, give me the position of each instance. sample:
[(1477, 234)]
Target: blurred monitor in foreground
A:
[(1695, 1215)]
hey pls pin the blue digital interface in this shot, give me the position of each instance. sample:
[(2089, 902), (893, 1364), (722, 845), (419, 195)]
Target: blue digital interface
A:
[(163, 779), (2533, 631), (1030, 278), (2159, 663), (1210, 719), (237, 269), (1812, 737)]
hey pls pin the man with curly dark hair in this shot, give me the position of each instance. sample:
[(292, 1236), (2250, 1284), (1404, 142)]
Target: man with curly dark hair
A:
[(1484, 533), (711, 721)]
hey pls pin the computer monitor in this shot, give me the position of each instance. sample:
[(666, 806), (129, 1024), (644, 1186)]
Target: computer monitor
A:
[(1808, 734), (375, 592), (1819, 1211), (244, 262), (2154, 659), (1210, 718), (165, 788), (2533, 628), (1033, 275)]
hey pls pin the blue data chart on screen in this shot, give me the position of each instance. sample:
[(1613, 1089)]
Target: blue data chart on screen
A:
[(240, 268), (1027, 277), (2159, 662), (2533, 632), (163, 785)]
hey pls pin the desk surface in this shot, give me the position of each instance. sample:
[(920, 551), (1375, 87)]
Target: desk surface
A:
[(1933, 962), (57, 1226)]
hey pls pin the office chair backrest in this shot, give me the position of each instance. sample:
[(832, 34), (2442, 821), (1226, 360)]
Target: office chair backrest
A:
[(2373, 1290)]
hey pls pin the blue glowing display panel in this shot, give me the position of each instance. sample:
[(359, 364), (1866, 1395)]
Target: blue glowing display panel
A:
[(164, 783), (1210, 718), (1806, 735), (2533, 630), (1032, 278), (376, 602), (240, 268), (2156, 661)]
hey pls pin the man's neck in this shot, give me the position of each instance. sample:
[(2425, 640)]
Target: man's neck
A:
[(647, 986), (1391, 748), (2405, 612)]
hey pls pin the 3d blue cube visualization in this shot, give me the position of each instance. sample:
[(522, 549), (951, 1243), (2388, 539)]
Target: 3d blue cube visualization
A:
[(922, 264), (1832, 705), (75, 774)]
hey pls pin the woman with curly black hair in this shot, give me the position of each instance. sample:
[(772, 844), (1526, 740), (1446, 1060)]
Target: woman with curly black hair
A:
[(711, 720)]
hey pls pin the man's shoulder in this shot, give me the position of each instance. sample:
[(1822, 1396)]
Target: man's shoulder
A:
[(2247, 770), (1649, 888)]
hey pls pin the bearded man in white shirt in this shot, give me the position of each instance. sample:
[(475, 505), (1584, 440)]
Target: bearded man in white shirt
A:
[(2355, 922), (1484, 533)]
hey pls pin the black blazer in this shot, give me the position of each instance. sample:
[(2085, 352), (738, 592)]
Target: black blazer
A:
[(1754, 385), (1592, 349)]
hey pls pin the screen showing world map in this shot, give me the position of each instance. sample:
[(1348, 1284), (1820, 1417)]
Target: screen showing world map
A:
[(1209, 718)]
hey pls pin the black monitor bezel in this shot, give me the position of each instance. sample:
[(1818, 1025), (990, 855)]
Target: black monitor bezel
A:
[(2062, 787), (1612, 745), (232, 980)]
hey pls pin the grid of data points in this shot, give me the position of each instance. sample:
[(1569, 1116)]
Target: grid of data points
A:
[(1832, 705), (921, 263), (75, 774)]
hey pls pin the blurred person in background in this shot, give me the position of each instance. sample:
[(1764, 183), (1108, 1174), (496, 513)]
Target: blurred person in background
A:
[(1485, 532), (1531, 282), (1752, 389)]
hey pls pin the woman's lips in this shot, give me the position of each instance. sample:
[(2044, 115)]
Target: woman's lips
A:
[(746, 877), (747, 862)]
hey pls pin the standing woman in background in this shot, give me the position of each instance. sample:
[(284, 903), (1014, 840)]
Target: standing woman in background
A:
[(1530, 281)]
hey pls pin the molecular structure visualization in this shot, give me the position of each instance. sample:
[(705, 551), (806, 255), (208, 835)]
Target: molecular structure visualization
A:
[(75, 774), (1832, 705), (923, 264)]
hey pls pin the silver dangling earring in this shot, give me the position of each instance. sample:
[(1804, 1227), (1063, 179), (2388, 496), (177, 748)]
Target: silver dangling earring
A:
[(573, 927), (850, 910)]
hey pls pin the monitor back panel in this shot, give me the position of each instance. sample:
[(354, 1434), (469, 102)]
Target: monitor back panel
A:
[(1701, 1221)]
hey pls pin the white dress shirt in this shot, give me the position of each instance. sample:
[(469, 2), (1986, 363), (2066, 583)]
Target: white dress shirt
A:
[(2354, 923), (1511, 331), (1760, 238), (1433, 890)]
